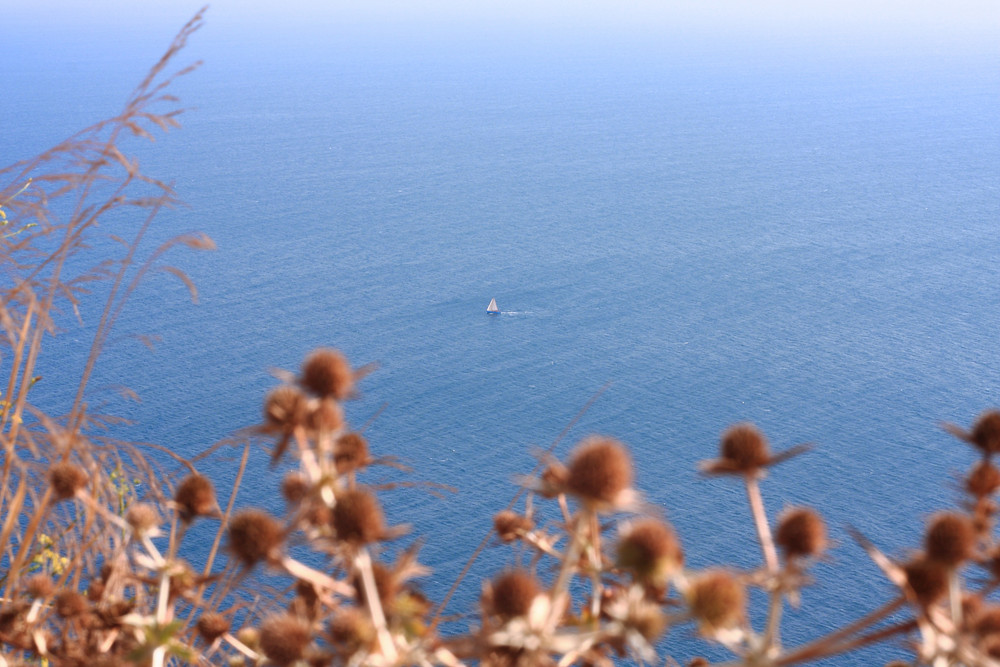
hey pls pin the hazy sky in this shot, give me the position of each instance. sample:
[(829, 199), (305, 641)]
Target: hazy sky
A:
[(942, 17)]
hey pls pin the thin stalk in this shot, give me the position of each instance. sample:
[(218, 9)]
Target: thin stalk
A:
[(29, 538), (955, 598), (569, 565), (817, 652), (865, 621), (594, 553), (15, 366), (760, 520), (363, 563), (772, 631)]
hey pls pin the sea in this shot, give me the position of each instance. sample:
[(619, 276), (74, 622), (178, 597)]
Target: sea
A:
[(680, 234)]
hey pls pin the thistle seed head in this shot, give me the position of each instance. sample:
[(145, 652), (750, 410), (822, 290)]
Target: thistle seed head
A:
[(801, 533), (350, 452), (744, 448), (285, 409), (648, 620), (650, 550), (69, 604), (351, 630), (511, 525), (327, 373), (66, 479), (284, 639), (249, 637), (554, 479), (950, 539), (927, 579), (142, 518), (986, 621), (983, 480), (599, 470), (717, 600), (357, 517), (325, 416), (40, 586), (986, 432), (513, 593), (195, 496), (254, 536), (295, 487), (211, 626)]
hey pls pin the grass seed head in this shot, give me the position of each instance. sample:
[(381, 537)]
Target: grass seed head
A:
[(66, 479), (350, 452), (650, 550), (195, 496), (285, 409), (513, 593), (357, 517), (801, 533), (327, 373), (211, 626), (950, 539), (510, 525), (599, 470), (717, 600), (284, 639), (927, 579), (986, 432), (744, 448), (254, 536)]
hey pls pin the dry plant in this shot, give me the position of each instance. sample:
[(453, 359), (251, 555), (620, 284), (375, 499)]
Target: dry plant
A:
[(93, 573)]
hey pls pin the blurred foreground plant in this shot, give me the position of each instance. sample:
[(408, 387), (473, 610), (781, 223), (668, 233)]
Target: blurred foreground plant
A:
[(94, 567)]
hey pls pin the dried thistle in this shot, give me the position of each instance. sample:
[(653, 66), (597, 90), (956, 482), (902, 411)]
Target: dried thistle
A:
[(983, 480), (195, 497), (511, 594), (66, 478), (650, 550), (600, 471), (350, 453), (326, 372), (801, 533), (985, 433), (950, 539), (357, 517), (927, 579), (510, 525), (717, 600), (284, 639), (211, 626), (255, 536)]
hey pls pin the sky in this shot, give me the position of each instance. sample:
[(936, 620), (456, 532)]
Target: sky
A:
[(934, 21)]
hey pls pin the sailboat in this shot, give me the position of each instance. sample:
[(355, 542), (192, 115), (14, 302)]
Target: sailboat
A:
[(492, 309)]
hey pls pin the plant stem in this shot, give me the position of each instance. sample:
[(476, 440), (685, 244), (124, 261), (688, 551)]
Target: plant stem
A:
[(760, 520)]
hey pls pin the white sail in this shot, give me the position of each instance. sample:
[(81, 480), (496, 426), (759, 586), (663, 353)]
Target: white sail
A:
[(492, 308)]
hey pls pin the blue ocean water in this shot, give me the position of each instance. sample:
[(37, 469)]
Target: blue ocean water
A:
[(806, 243)]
